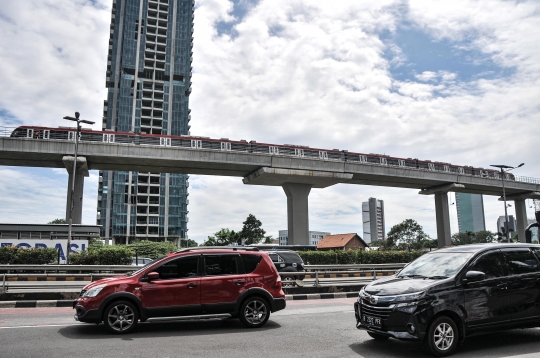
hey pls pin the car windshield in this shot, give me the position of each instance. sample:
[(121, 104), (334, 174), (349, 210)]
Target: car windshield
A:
[(436, 265), (144, 267)]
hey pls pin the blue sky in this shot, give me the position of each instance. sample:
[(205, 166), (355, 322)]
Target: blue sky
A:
[(455, 81)]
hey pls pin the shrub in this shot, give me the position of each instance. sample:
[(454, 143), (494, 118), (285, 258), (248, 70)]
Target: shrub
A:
[(152, 249), (106, 255), (27, 256), (357, 257)]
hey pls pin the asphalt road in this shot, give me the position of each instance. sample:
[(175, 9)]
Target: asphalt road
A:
[(313, 328)]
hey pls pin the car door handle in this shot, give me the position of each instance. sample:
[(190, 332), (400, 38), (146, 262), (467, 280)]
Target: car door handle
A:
[(240, 282), (192, 285)]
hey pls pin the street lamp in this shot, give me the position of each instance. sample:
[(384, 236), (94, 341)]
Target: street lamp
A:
[(79, 121), (504, 169)]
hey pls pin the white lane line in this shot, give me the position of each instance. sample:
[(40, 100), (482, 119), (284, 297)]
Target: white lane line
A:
[(311, 310), (529, 355), (45, 325)]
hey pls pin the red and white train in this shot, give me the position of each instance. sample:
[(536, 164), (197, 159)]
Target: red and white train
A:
[(224, 144)]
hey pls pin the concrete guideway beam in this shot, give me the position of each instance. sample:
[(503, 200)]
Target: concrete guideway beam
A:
[(297, 212), (278, 177), (81, 172)]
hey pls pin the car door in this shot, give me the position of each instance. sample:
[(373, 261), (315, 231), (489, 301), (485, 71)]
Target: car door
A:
[(177, 292), (488, 302), (524, 284), (223, 281)]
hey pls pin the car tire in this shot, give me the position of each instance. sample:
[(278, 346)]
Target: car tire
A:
[(442, 338), (121, 317), (377, 337), (254, 312)]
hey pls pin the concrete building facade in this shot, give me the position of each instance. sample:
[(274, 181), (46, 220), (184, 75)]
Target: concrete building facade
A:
[(511, 224), (470, 212), (314, 237), (373, 220), (149, 82)]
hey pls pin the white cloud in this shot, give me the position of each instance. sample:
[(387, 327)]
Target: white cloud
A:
[(304, 72)]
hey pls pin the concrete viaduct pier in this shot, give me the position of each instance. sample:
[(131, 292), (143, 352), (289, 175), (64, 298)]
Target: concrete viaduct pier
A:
[(296, 175)]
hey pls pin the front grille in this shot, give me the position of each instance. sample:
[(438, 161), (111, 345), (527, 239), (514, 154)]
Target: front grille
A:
[(375, 311), (383, 312)]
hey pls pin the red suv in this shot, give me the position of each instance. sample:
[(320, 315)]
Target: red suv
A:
[(201, 282)]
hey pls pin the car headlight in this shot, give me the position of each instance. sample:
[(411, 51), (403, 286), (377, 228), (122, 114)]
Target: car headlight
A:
[(411, 297), (93, 292)]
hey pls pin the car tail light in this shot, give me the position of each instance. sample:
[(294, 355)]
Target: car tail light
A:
[(278, 282)]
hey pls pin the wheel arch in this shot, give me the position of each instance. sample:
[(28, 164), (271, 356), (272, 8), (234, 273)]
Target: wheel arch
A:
[(254, 292), (122, 296), (455, 317)]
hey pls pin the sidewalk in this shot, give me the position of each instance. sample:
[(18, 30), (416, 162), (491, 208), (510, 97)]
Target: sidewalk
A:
[(65, 299)]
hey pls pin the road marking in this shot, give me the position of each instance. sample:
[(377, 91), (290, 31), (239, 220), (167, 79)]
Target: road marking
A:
[(45, 325)]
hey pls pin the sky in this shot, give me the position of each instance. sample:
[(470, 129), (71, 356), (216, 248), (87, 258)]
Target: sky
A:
[(451, 81)]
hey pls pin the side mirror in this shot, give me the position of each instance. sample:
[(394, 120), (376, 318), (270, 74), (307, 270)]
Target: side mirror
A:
[(474, 276), (151, 276)]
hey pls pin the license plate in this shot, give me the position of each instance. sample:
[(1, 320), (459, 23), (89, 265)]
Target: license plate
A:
[(371, 321)]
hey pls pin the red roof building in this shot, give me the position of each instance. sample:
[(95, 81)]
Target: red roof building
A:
[(342, 242)]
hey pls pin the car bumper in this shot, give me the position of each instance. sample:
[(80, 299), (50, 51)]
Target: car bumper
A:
[(401, 327), (278, 304), (87, 316)]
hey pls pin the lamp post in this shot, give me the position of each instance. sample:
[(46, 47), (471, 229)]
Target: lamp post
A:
[(504, 169), (79, 121)]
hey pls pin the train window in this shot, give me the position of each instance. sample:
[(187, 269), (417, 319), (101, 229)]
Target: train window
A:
[(401, 162), (108, 138), (383, 161), (431, 166), (460, 170), (71, 135), (225, 146), (323, 155), (273, 150), (197, 144), (446, 168), (298, 152), (165, 142), (363, 158), (46, 134), (29, 133)]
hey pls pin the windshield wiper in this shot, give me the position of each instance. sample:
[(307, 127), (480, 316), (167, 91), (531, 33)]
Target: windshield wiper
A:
[(437, 277), (413, 276)]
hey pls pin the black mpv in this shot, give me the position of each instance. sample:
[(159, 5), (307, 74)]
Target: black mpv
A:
[(447, 295)]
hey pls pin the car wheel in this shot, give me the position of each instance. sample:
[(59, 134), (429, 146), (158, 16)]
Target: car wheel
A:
[(254, 312), (288, 281), (121, 317), (378, 337), (442, 338)]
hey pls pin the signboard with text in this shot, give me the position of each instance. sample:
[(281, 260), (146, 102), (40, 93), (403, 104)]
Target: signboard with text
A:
[(61, 245)]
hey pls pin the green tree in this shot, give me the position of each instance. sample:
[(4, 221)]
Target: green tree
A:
[(252, 232), (57, 221), (407, 234), (223, 237), (485, 236), (268, 239), (189, 243)]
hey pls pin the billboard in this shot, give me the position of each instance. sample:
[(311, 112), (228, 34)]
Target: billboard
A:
[(61, 245)]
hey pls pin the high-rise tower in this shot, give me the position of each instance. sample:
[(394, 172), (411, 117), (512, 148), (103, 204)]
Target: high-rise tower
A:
[(373, 220), (470, 212), (149, 82)]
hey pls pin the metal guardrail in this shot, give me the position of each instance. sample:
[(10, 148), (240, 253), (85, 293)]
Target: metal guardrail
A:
[(47, 280)]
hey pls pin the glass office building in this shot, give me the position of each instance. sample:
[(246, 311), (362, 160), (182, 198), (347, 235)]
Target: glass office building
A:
[(149, 82), (470, 212), (373, 220)]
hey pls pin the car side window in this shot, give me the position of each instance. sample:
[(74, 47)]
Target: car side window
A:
[(276, 258), (521, 262), (216, 265), (491, 264), (251, 262), (184, 267)]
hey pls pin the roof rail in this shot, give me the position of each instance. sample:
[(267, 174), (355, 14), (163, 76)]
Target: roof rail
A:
[(233, 248)]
